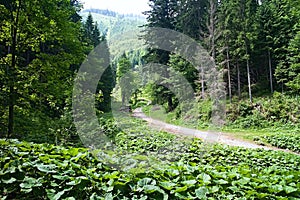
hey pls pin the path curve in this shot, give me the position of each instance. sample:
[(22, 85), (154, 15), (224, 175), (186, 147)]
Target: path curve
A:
[(208, 136)]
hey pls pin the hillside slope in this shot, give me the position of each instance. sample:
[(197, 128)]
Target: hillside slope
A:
[(113, 23)]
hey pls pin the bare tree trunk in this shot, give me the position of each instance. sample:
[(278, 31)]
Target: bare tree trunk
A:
[(249, 79), (229, 77), (246, 43), (170, 103), (123, 98), (212, 28), (210, 40), (239, 79), (270, 71)]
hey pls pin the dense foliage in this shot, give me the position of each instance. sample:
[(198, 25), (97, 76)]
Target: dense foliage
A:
[(42, 46), (270, 120), (274, 111), (284, 141), (39, 171), (37, 52)]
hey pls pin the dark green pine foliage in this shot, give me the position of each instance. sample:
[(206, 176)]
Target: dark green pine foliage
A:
[(293, 56), (96, 39), (189, 72), (287, 20), (106, 84), (264, 48), (163, 14), (283, 21), (256, 42), (236, 21), (294, 63), (124, 77), (93, 38), (91, 32), (224, 46), (192, 18), (250, 37)]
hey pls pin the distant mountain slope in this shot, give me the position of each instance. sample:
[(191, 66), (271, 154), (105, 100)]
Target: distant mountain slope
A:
[(122, 31), (113, 23)]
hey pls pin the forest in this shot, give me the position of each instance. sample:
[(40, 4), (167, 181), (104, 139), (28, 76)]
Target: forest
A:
[(49, 150)]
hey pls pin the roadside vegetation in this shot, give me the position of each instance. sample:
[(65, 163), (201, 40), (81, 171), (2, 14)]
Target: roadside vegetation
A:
[(198, 171), (271, 120)]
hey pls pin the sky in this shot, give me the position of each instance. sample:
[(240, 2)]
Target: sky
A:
[(120, 6)]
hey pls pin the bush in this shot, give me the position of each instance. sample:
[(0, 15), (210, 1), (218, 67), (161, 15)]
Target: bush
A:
[(265, 112)]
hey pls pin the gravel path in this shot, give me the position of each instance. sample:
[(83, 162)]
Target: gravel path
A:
[(208, 136)]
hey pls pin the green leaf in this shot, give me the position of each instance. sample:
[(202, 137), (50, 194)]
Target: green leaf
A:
[(234, 189), (58, 195), (146, 181), (289, 189), (151, 188), (54, 195), (206, 178), (167, 185), (62, 178), (94, 196), (25, 190), (201, 192), (108, 196), (46, 168), (113, 175), (53, 184), (221, 182), (181, 189), (276, 188), (29, 182), (214, 189), (189, 182), (73, 182), (11, 180)]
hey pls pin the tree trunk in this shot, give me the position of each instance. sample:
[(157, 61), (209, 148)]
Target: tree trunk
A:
[(170, 103), (249, 79), (107, 101), (212, 28), (229, 77), (123, 98), (270, 71), (239, 79), (11, 112)]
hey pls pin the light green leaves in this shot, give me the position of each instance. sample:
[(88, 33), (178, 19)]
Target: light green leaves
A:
[(9, 181), (46, 168), (29, 183), (67, 175), (201, 192)]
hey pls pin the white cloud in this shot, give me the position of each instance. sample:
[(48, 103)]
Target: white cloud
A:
[(121, 6)]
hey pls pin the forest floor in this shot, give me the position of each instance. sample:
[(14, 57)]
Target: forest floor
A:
[(207, 136)]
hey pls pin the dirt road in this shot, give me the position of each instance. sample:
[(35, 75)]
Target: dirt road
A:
[(213, 137)]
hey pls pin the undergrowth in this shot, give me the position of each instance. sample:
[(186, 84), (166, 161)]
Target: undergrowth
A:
[(269, 118)]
